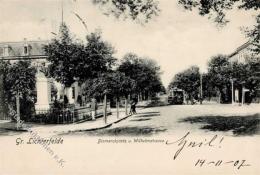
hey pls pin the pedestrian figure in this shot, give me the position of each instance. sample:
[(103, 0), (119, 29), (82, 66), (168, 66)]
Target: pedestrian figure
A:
[(133, 107)]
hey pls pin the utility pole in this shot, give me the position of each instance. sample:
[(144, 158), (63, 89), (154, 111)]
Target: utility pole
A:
[(61, 11), (201, 89)]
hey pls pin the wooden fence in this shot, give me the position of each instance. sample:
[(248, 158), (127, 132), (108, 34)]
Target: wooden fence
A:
[(68, 115)]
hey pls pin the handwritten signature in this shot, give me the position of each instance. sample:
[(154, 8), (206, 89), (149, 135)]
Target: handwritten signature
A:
[(184, 142)]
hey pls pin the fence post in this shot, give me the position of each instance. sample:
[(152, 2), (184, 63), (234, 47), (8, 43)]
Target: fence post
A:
[(105, 108)]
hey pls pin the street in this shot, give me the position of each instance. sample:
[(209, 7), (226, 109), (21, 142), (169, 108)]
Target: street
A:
[(234, 124), (168, 120), (198, 119)]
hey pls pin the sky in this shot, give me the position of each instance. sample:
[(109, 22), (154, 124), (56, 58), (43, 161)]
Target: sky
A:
[(176, 39)]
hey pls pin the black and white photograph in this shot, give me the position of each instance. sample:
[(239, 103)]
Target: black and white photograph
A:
[(135, 87)]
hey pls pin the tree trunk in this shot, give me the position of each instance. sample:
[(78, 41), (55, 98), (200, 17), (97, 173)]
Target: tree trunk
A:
[(63, 107), (105, 108), (243, 96), (3, 106), (201, 89), (117, 107), (149, 96), (219, 97), (126, 99), (18, 117)]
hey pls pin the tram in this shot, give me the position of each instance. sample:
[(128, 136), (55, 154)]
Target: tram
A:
[(176, 96)]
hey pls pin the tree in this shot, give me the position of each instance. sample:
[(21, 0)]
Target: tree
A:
[(217, 10), (220, 74), (247, 75), (98, 58), (253, 80), (19, 81), (121, 86), (71, 61), (4, 66), (189, 81), (221, 71), (138, 10), (63, 55), (254, 34), (209, 90), (113, 84), (144, 71)]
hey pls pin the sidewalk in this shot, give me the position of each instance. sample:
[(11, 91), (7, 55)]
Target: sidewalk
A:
[(99, 123)]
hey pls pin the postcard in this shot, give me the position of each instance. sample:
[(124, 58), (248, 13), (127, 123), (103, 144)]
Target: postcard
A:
[(140, 87)]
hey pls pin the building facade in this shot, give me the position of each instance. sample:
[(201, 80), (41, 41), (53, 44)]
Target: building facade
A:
[(241, 55), (34, 51)]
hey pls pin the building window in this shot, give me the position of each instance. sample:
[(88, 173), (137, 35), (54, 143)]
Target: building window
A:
[(2, 51), (6, 51), (73, 92), (25, 50)]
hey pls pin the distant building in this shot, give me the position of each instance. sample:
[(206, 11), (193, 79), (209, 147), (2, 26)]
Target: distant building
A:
[(33, 50), (240, 55), (23, 50)]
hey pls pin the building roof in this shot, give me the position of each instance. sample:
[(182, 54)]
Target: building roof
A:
[(240, 48), (16, 49)]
